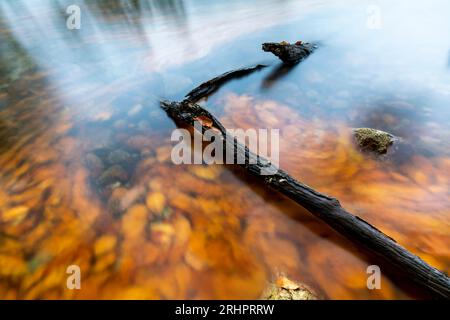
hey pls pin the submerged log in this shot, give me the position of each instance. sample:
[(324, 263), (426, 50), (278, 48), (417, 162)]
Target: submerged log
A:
[(209, 87), (290, 53), (324, 207)]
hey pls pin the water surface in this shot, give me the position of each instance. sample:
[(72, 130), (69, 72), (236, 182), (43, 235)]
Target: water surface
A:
[(85, 170)]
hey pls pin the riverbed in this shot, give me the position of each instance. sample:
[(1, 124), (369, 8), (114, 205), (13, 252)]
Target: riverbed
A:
[(86, 176)]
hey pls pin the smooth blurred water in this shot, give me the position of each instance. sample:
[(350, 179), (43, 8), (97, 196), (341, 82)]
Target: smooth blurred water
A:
[(174, 45), (380, 64)]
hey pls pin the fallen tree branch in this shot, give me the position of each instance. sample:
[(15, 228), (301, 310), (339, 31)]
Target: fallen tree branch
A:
[(290, 53), (326, 208), (209, 87)]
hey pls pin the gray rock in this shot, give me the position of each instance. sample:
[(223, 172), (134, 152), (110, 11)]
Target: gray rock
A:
[(94, 163), (119, 157), (113, 174), (373, 140)]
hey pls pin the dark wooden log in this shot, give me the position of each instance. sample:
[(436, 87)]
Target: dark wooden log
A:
[(209, 87), (324, 207), (290, 53)]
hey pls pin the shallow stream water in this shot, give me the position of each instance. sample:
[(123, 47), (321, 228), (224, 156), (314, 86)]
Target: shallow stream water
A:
[(86, 176)]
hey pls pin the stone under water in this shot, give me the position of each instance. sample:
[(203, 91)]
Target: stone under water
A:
[(374, 140)]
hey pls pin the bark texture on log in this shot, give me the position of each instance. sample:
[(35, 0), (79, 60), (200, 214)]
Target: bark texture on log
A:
[(289, 53), (326, 208), (211, 86)]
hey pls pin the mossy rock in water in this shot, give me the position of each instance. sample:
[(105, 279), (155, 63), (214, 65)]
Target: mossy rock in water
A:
[(374, 140), (286, 289)]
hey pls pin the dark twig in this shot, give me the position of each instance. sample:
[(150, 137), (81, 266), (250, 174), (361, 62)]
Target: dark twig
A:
[(209, 87)]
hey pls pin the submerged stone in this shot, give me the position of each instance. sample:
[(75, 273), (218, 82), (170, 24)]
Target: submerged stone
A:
[(94, 163), (115, 201), (374, 140), (119, 157), (286, 289), (113, 174)]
